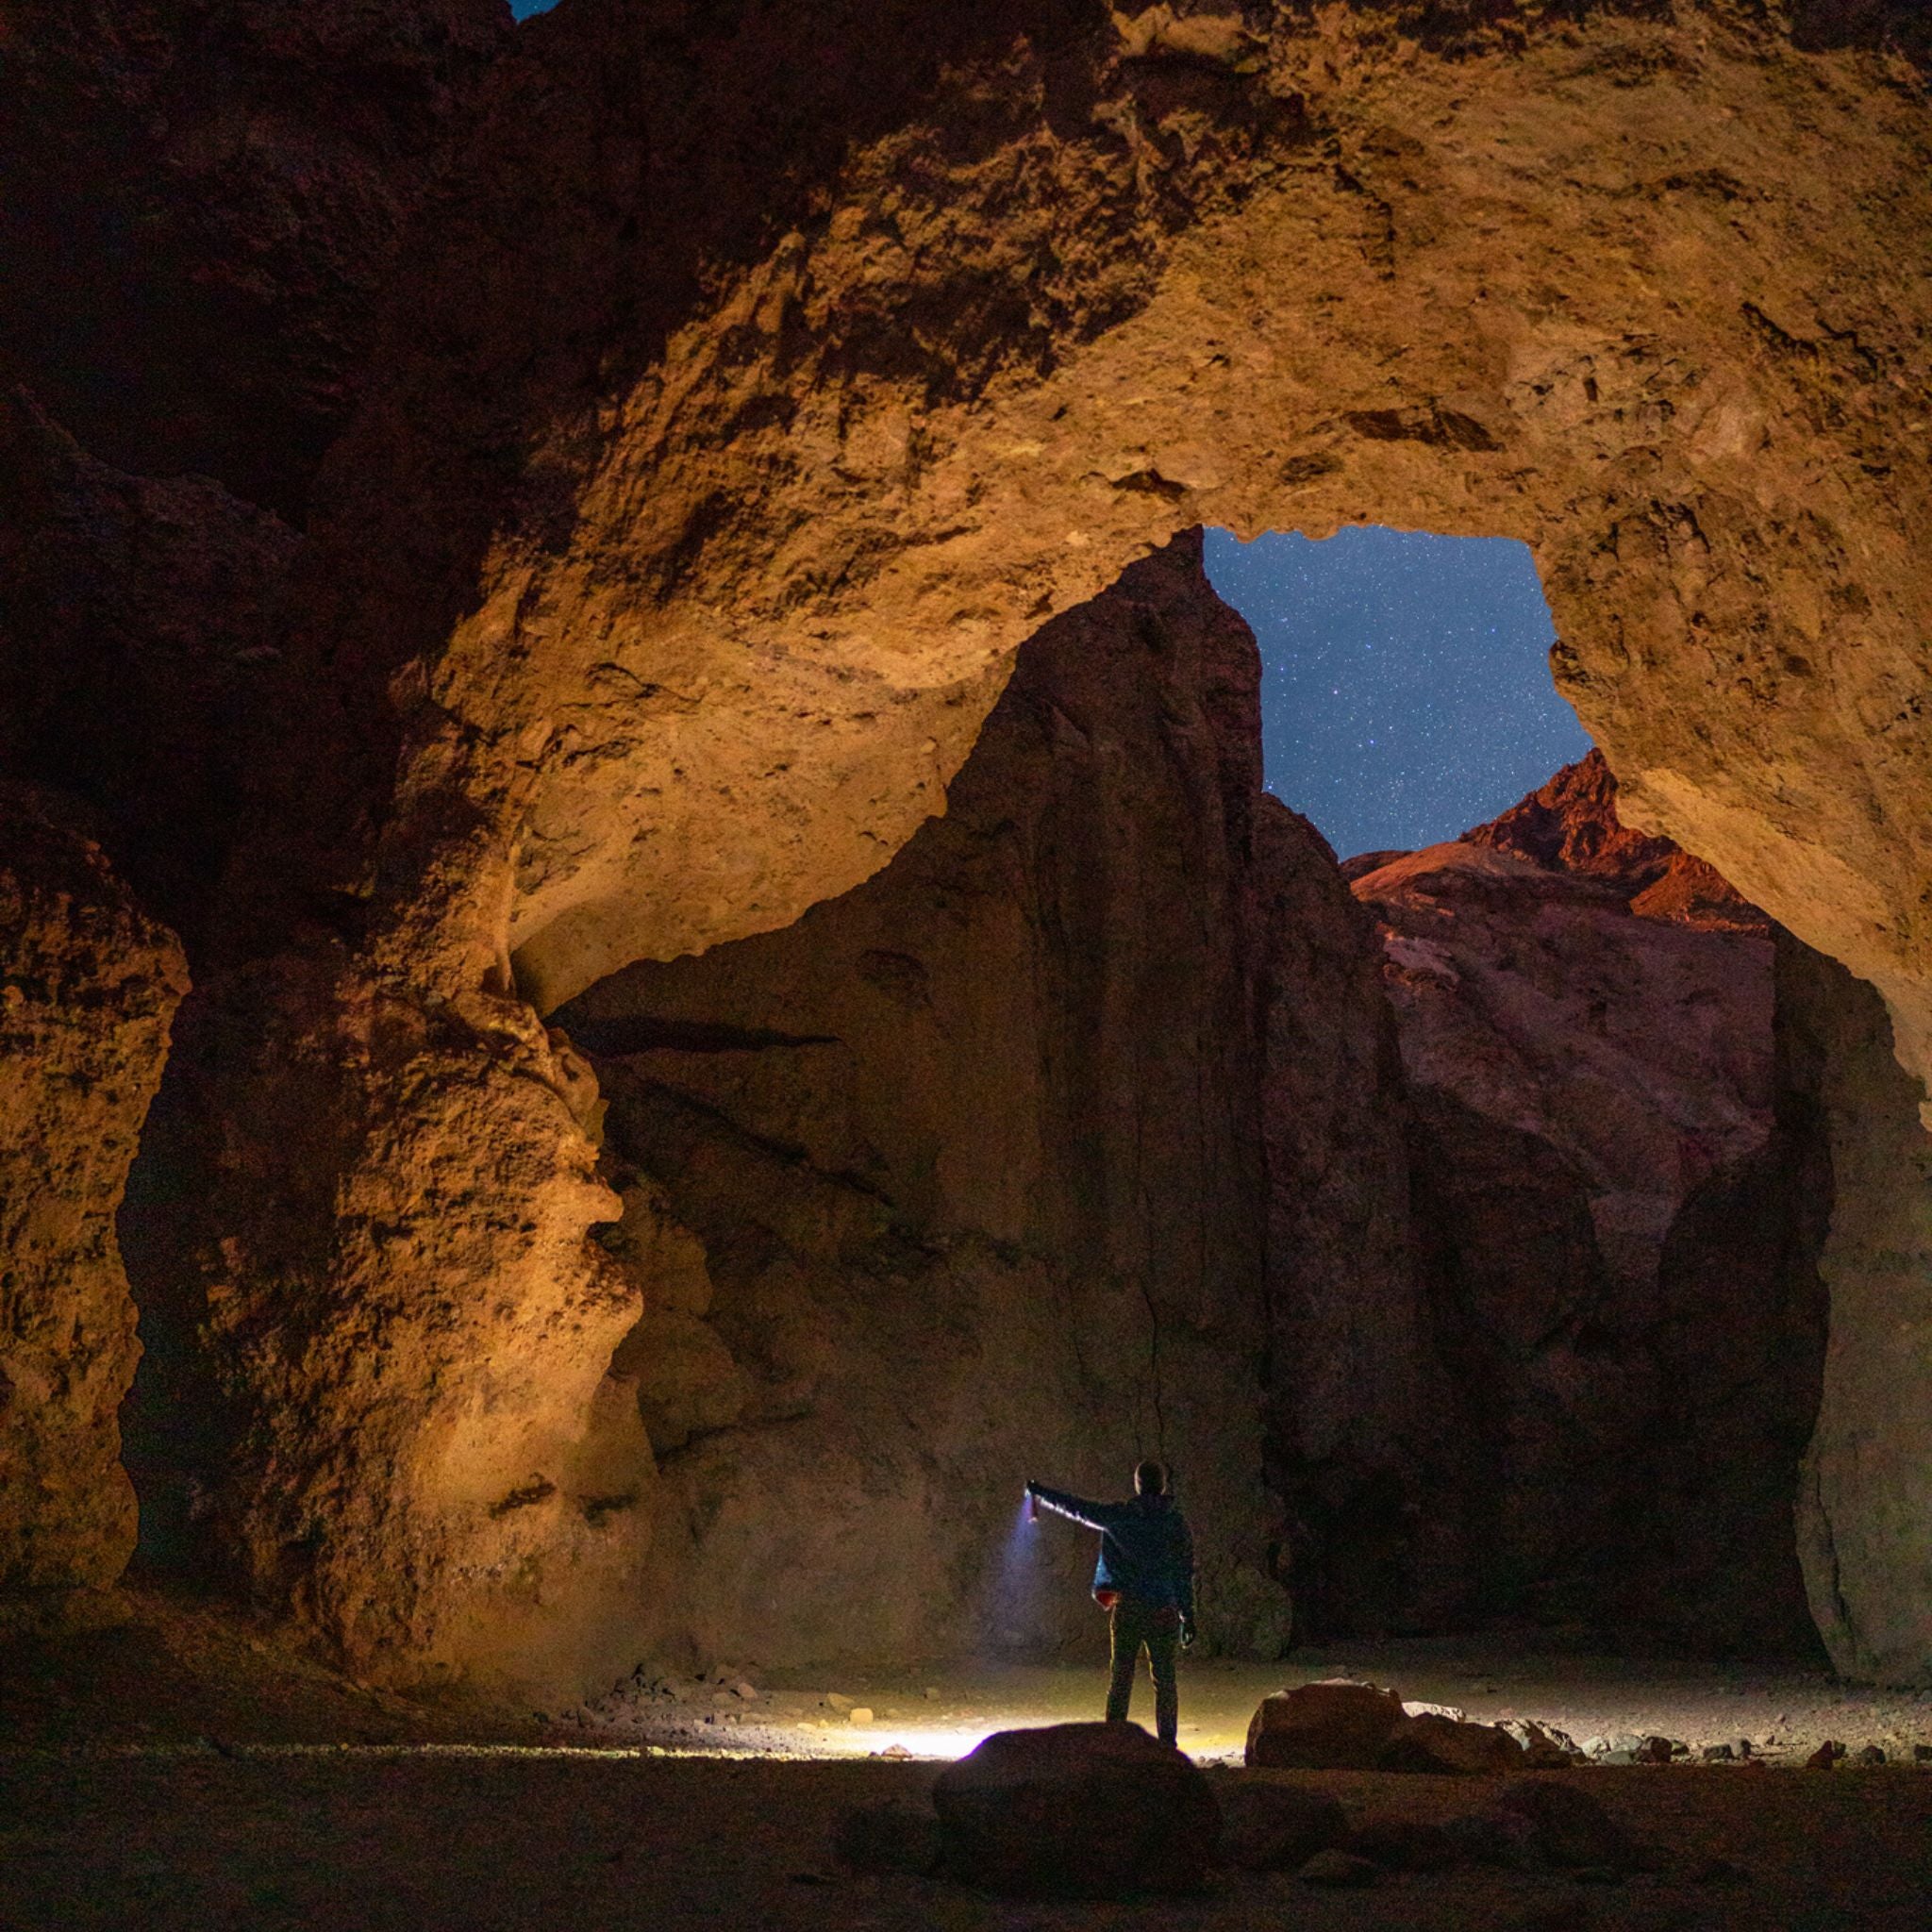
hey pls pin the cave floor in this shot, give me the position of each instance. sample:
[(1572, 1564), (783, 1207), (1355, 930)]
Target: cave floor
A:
[(184, 1772), (425, 1837)]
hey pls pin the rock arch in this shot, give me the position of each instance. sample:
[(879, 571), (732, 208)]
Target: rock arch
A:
[(768, 377)]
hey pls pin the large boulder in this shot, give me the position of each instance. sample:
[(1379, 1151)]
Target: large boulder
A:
[(1089, 1811), (1331, 1726)]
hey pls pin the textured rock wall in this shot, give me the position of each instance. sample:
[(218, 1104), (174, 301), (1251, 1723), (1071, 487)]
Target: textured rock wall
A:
[(138, 661), (88, 986), (1613, 1226), (971, 1151), (203, 202), (767, 376), (771, 375), (1861, 1504), (1357, 1406)]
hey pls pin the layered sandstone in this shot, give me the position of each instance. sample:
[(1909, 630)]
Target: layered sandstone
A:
[(88, 984)]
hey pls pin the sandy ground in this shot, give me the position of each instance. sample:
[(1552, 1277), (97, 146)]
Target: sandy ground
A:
[(183, 1773), (944, 1711)]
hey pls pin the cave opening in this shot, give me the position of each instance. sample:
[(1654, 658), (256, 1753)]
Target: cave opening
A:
[(1405, 688)]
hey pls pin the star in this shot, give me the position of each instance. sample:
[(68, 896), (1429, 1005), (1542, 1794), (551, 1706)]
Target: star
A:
[(1408, 695)]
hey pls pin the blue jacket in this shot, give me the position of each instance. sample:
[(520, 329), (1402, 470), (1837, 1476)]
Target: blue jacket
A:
[(1145, 1549)]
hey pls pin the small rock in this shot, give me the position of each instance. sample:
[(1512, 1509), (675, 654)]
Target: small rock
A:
[(858, 1714), (1504, 1839), (1872, 1754), (1270, 1827), (894, 1751), (1718, 1753), (1826, 1754), (1743, 1747), (1402, 1844), (931, 1693), (1545, 1748), (1448, 1710), (746, 1690), (1572, 1829), (1717, 1872), (1338, 1869), (838, 1702), (1661, 1750)]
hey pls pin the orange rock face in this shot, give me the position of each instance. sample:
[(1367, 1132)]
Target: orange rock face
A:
[(88, 987), (754, 383), (971, 1151)]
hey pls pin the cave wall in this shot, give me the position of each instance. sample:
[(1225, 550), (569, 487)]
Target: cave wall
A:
[(1862, 1500), (1618, 1206), (777, 379), (762, 379), (971, 1152), (88, 984)]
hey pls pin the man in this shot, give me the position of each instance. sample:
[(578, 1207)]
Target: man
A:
[(1145, 1582)]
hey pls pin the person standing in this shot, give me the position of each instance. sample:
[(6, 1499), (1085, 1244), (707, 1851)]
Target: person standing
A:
[(1144, 1580)]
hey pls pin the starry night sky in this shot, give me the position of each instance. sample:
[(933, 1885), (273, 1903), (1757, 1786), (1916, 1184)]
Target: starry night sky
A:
[(1406, 690)]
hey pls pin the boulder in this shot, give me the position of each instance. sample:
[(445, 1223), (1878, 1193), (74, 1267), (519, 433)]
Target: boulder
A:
[(1569, 1827), (1328, 1726), (1082, 1811), (1440, 1745), (1270, 1826), (1402, 1844), (1339, 1869)]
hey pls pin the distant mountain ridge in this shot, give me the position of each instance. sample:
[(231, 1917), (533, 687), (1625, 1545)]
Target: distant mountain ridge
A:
[(1570, 825)]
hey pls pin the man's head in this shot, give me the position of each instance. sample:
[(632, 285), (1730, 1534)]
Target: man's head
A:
[(1150, 1479)]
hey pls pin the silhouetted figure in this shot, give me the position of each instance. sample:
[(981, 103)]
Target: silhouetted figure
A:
[(1145, 1582)]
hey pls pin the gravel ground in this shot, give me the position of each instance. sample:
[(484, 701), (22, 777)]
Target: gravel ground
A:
[(944, 1711)]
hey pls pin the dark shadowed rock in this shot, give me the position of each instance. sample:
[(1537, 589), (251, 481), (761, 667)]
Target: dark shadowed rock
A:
[(1441, 1745), (1269, 1824), (1335, 1726), (1343, 1870), (1572, 1829), (1089, 1811), (1402, 1844)]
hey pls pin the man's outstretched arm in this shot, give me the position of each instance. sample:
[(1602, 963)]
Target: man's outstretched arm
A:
[(1089, 1515)]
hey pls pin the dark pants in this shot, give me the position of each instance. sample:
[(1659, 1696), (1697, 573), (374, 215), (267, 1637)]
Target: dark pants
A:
[(1157, 1628)]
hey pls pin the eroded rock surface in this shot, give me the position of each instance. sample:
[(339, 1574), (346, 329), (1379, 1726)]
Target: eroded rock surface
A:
[(138, 620), (973, 1154), (1586, 1020), (88, 984), (202, 206)]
